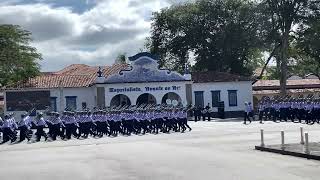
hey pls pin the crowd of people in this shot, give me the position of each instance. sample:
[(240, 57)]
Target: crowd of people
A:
[(277, 109), (204, 112), (286, 108), (128, 120), (125, 120)]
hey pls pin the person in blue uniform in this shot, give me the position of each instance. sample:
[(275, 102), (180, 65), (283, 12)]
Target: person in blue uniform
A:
[(7, 129), (197, 113), (207, 113), (183, 118), (24, 126), (49, 119), (147, 119), (57, 124), (40, 123)]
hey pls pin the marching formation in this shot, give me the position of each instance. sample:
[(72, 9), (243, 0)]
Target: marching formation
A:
[(124, 120), (293, 109)]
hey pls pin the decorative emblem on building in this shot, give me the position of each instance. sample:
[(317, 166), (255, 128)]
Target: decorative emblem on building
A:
[(144, 68), (99, 72)]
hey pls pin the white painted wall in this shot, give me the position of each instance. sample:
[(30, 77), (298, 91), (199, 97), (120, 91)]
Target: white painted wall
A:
[(244, 93), (86, 94), (158, 94)]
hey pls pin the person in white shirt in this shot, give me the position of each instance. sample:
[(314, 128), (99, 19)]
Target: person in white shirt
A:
[(246, 113), (251, 113)]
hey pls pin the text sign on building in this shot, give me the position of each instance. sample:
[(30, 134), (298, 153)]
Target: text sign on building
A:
[(145, 89)]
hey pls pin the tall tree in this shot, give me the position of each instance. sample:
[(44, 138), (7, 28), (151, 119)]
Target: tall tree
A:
[(284, 15), (308, 45), (223, 35), (18, 60), (121, 58)]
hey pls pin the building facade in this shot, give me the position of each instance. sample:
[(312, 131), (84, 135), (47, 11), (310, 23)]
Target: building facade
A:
[(214, 88), (140, 82), (144, 83)]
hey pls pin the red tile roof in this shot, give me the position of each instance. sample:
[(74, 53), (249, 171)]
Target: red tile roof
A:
[(76, 75), (212, 76), (269, 92), (55, 81), (291, 84), (82, 69)]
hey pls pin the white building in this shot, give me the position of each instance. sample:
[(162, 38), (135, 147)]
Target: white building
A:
[(80, 86), (214, 87)]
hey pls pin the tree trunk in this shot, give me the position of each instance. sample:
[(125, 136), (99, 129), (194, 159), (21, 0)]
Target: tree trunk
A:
[(284, 57), (268, 60), (284, 61), (278, 61)]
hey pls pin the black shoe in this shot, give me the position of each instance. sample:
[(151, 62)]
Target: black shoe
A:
[(13, 140)]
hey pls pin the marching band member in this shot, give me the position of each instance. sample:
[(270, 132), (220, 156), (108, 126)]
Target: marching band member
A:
[(24, 126), (113, 121), (57, 124), (8, 133), (40, 124)]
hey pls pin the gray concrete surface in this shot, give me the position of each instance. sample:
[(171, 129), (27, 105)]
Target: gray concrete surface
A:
[(213, 150)]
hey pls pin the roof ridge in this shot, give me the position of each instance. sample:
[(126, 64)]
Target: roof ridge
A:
[(46, 75)]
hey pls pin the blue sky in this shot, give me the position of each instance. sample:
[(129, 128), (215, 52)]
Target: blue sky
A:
[(91, 32), (77, 6)]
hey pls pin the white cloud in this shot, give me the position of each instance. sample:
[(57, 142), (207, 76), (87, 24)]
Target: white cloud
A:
[(94, 37), (44, 22)]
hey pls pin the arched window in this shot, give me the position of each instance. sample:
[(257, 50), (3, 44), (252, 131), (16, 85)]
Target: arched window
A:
[(172, 96), (146, 98), (120, 99)]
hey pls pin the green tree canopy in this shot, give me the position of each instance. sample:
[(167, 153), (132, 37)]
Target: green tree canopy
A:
[(121, 58), (308, 45), (224, 35), (19, 60), (284, 16), (230, 36)]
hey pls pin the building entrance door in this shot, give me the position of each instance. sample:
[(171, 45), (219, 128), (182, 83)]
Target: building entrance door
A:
[(120, 99), (146, 98)]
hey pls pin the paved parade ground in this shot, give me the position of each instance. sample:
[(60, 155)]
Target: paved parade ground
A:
[(213, 150)]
